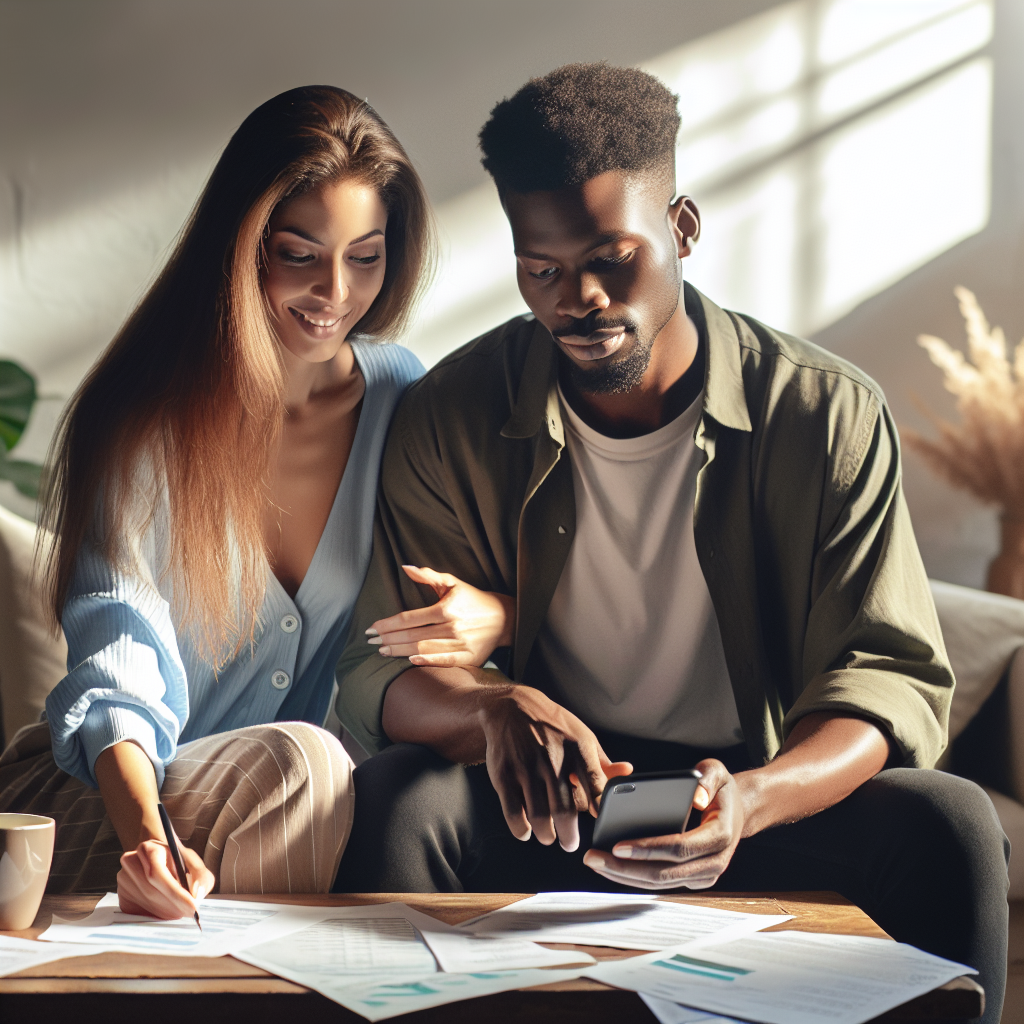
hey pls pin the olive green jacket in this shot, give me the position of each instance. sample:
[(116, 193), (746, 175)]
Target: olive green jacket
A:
[(800, 524)]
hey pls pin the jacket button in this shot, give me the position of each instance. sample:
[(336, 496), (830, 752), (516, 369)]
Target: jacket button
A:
[(280, 680)]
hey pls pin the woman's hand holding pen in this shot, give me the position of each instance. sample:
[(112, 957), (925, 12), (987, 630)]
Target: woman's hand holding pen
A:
[(462, 628), (148, 882)]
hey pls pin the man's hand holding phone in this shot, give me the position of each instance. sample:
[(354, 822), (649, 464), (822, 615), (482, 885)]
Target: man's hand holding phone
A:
[(694, 859), (545, 765)]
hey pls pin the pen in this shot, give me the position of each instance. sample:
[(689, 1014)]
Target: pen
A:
[(172, 845)]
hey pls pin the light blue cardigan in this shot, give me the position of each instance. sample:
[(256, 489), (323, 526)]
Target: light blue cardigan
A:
[(132, 675)]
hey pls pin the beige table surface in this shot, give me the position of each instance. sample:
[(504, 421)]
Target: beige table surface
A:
[(149, 989)]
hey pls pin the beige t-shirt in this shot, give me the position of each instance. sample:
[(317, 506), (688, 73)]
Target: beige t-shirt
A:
[(631, 638)]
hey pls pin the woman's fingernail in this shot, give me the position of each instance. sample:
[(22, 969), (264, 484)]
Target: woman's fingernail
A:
[(594, 859), (375, 639), (623, 851), (386, 651), (200, 893), (372, 632)]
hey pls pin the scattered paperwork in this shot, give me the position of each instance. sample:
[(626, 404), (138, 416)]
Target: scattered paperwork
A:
[(786, 977), (20, 954), (228, 925), (348, 946), (387, 959), (621, 921), (379, 961), (378, 1002), (357, 945)]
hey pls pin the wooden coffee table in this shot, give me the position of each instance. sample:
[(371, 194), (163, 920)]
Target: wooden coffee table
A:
[(123, 987)]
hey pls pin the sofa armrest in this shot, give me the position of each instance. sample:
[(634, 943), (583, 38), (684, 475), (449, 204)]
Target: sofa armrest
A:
[(32, 659), (983, 633)]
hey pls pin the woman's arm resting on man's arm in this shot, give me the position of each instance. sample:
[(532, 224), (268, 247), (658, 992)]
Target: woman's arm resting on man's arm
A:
[(147, 882), (825, 758), (544, 763)]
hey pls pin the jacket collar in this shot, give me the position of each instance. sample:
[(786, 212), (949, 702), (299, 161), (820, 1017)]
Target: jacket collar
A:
[(725, 399), (536, 402)]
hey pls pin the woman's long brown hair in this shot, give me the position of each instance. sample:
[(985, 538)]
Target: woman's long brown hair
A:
[(185, 405)]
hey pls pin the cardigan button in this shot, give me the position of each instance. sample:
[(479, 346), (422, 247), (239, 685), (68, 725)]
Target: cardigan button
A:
[(290, 623), (280, 680)]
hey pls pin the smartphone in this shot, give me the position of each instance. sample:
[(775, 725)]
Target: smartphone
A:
[(640, 806)]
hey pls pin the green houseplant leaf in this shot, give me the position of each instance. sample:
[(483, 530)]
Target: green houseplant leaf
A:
[(17, 396), (26, 476)]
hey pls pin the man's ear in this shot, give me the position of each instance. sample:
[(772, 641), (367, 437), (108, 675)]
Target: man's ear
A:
[(685, 220)]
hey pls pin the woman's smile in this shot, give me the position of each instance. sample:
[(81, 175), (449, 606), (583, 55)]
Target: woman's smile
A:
[(318, 325)]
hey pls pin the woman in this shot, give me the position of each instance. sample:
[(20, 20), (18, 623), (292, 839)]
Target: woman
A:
[(211, 500)]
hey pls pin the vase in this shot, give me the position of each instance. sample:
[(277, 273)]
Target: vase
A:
[(1006, 570)]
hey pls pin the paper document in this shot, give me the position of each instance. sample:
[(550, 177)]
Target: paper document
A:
[(607, 919), (786, 977), (348, 946), (668, 1012), (228, 925), (378, 1002), (463, 952), (20, 954), (359, 945)]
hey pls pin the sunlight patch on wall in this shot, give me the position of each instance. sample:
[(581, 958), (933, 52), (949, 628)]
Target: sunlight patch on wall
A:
[(894, 193), (824, 185)]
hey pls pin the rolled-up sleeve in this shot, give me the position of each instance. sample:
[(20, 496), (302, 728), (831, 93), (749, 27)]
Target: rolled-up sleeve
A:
[(125, 680), (874, 646)]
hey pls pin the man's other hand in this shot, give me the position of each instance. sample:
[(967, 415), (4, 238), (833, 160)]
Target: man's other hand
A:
[(694, 859), (545, 765)]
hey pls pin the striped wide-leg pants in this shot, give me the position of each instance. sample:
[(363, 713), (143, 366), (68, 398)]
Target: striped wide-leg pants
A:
[(268, 808)]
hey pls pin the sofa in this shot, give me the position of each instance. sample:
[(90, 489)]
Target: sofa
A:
[(984, 636)]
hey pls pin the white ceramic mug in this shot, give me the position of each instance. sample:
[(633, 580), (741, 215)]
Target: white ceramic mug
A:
[(26, 849)]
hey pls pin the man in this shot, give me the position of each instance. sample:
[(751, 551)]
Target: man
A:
[(701, 524)]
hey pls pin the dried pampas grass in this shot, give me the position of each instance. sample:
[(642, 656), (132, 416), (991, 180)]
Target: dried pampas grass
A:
[(984, 453)]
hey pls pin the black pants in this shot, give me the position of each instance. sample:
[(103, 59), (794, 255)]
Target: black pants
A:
[(920, 851)]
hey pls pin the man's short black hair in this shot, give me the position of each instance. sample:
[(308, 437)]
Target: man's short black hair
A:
[(577, 122)]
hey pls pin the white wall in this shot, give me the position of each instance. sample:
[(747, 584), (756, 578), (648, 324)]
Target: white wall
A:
[(113, 111)]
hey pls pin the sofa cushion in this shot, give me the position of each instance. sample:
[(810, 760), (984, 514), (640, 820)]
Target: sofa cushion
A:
[(32, 659), (982, 632)]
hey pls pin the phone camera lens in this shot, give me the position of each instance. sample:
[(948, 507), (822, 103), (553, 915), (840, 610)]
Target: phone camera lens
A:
[(628, 788)]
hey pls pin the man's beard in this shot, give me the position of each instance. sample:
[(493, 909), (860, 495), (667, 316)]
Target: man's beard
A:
[(617, 377), (620, 376)]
